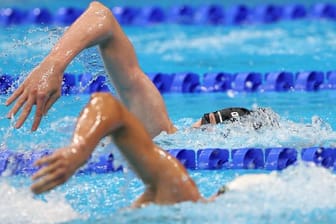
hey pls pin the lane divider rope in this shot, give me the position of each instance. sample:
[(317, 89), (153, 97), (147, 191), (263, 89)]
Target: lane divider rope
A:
[(276, 158), (213, 14), (190, 82)]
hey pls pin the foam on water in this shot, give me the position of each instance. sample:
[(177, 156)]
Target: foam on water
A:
[(280, 133), (286, 133), (19, 206), (299, 194)]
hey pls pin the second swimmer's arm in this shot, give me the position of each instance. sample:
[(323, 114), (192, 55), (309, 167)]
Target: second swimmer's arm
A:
[(42, 87), (93, 27), (165, 178)]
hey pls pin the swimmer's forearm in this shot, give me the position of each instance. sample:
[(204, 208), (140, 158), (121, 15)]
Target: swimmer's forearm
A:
[(93, 27)]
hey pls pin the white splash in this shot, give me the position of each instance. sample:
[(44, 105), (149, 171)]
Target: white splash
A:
[(299, 194), (18, 205), (273, 132)]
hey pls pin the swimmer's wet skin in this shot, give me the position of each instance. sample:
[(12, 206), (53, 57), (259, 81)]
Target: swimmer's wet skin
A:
[(147, 160)]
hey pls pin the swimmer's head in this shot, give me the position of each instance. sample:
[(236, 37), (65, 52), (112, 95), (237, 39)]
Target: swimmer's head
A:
[(223, 189), (228, 114), (256, 118)]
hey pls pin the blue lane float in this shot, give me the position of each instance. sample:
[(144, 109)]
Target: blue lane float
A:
[(330, 82), (103, 164), (191, 82), (25, 161), (67, 15), (20, 163), (5, 160), (213, 14), (210, 14), (39, 16), (151, 15), (212, 158), (185, 156), (69, 84), (247, 158), (83, 84), (237, 14), (324, 10), (325, 157), (89, 84), (6, 82), (279, 158), (309, 81), (217, 82), (185, 82), (162, 81), (125, 15), (181, 14), (294, 11), (267, 13), (246, 82), (276, 158), (278, 81), (11, 16)]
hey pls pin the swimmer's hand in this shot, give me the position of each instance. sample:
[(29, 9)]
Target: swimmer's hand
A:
[(55, 170), (41, 88)]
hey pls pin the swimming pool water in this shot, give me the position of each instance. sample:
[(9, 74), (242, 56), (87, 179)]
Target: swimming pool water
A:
[(104, 199), (282, 46), (300, 195), (299, 124)]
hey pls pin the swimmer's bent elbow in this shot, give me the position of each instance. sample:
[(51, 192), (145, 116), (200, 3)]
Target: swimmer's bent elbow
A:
[(108, 108)]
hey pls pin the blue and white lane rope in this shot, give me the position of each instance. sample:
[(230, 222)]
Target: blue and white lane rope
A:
[(190, 82), (21, 163), (208, 14)]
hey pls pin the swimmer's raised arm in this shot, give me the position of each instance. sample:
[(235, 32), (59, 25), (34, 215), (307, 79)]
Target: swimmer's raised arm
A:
[(166, 180), (43, 85), (96, 26)]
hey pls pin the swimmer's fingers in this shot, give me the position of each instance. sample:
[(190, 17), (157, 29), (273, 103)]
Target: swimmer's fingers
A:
[(22, 99), (45, 160), (43, 104), (49, 181), (40, 105), (25, 112), (50, 176), (52, 99), (51, 162), (14, 96)]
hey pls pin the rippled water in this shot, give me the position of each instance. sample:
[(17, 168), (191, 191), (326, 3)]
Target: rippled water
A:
[(301, 194)]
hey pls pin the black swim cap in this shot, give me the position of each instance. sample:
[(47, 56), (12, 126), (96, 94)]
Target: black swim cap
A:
[(227, 114)]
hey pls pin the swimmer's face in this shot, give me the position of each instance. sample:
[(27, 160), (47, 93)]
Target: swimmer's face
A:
[(220, 191), (199, 123)]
